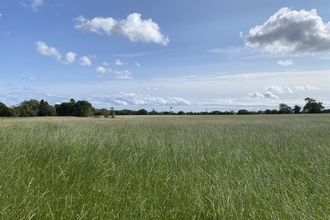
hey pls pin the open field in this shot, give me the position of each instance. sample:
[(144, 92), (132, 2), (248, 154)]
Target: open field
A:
[(170, 167)]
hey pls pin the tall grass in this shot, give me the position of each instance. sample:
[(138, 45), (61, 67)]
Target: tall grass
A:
[(175, 167)]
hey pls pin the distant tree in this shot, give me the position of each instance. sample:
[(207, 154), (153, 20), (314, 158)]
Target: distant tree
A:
[(29, 108), (4, 110), (142, 112), (216, 112), (268, 111), (243, 112), (181, 113), (312, 106), (16, 111), (296, 109), (82, 109), (105, 112), (153, 112), (326, 111), (45, 109), (113, 113), (65, 109), (203, 113), (274, 111), (125, 112), (284, 109)]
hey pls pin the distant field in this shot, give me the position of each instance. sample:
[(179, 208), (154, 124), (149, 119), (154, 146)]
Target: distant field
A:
[(166, 167)]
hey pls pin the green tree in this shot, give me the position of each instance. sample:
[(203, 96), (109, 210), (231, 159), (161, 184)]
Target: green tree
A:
[(66, 108), (82, 109), (142, 112), (4, 110), (45, 109), (29, 108), (268, 111), (312, 106), (181, 113), (297, 109), (113, 113), (243, 112), (284, 109)]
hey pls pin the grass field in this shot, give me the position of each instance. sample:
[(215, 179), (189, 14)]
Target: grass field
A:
[(173, 167)]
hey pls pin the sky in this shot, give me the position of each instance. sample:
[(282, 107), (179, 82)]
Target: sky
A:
[(191, 55)]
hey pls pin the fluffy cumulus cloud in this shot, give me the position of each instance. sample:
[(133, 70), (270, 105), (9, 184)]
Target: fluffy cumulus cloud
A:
[(255, 95), (270, 95), (68, 58), (278, 89), (293, 32), (285, 62), (85, 61), (132, 27), (101, 69), (267, 95), (45, 50)]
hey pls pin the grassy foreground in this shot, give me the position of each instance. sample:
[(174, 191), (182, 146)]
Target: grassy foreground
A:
[(179, 167)]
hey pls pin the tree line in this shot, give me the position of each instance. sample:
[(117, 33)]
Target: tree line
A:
[(311, 106), (34, 108)]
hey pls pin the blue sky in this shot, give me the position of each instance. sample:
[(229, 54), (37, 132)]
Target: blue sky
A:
[(191, 55)]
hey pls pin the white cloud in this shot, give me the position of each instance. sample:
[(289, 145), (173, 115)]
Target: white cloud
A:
[(32, 78), (123, 74), (267, 95), (241, 34), (119, 63), (105, 64), (35, 4), (24, 5), (150, 88), (137, 64), (255, 95), (133, 27), (306, 88), (285, 62), (178, 101), (137, 99), (43, 49), (279, 89), (101, 69), (48, 51), (0, 15), (85, 61), (68, 58), (291, 31)]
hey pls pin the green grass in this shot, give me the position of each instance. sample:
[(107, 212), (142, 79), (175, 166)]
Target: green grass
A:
[(174, 167)]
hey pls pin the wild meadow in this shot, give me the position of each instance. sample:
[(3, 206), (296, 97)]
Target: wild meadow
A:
[(166, 167)]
